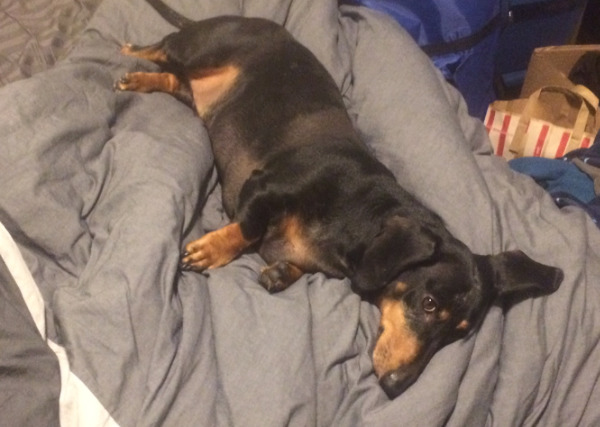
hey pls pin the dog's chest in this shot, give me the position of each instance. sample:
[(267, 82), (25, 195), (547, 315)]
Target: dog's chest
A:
[(288, 240), (303, 244)]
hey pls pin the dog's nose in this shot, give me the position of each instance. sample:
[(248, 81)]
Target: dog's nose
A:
[(395, 383), (559, 276)]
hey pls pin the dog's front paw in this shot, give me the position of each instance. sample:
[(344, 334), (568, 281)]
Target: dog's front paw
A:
[(279, 276), (214, 249), (210, 251)]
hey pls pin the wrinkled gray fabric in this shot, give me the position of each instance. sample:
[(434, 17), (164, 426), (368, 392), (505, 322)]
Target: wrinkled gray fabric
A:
[(37, 33), (101, 189)]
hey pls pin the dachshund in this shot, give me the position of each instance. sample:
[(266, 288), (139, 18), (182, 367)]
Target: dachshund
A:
[(304, 191)]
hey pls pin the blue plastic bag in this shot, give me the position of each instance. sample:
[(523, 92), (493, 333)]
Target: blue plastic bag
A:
[(459, 36)]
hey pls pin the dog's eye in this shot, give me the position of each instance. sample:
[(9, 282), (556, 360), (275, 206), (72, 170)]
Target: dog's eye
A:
[(429, 305)]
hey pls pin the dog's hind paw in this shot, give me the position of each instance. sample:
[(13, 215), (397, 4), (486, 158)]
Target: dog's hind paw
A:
[(127, 48), (126, 82)]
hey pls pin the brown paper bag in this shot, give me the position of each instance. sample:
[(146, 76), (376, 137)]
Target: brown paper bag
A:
[(551, 122), (551, 66)]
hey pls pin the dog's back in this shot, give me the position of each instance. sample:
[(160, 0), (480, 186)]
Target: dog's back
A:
[(258, 91)]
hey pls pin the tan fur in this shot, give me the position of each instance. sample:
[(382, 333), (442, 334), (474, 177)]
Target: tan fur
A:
[(209, 86), (398, 345), (149, 82), (150, 53), (216, 248)]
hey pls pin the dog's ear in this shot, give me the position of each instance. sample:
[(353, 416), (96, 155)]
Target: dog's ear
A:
[(402, 242), (513, 273)]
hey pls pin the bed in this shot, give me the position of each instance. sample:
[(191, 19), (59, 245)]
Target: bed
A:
[(101, 189)]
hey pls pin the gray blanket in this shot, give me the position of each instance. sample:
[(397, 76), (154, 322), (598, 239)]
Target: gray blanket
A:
[(101, 189)]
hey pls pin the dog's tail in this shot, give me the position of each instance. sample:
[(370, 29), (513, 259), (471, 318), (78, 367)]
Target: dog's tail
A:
[(169, 14)]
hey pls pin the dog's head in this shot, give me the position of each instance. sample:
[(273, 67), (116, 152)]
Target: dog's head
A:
[(435, 293)]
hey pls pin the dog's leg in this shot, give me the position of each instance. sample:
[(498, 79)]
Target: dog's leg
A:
[(149, 82), (153, 82), (156, 82), (264, 202), (221, 246), (154, 53)]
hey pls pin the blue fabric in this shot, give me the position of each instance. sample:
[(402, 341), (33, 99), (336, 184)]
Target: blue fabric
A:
[(557, 176), (590, 155), (567, 184), (437, 21), (432, 22)]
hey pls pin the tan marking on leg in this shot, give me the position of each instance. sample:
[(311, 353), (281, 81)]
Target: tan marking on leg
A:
[(397, 345), (151, 53), (149, 82), (211, 85), (216, 248)]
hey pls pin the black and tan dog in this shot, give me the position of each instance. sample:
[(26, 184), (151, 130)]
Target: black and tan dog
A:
[(306, 193)]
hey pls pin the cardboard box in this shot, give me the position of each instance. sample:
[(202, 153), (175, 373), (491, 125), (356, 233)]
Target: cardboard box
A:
[(550, 66)]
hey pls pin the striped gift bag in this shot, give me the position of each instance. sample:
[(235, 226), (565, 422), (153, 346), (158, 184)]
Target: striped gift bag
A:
[(550, 123)]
